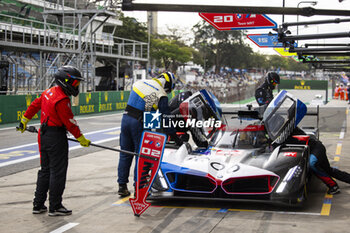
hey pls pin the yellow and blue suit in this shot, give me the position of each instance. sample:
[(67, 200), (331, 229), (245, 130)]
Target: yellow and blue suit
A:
[(146, 95)]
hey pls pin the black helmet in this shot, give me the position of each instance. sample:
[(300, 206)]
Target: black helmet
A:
[(68, 77), (169, 81), (272, 79), (175, 102)]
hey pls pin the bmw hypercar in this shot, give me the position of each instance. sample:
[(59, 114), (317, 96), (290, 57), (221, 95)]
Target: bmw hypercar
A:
[(240, 162)]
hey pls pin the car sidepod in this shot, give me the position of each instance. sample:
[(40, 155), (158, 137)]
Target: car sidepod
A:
[(291, 165)]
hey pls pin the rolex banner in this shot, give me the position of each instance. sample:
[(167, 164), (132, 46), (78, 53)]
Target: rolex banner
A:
[(151, 153)]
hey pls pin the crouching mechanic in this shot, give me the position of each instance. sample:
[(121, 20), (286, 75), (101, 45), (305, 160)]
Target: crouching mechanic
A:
[(56, 118), (281, 121), (320, 165), (146, 95)]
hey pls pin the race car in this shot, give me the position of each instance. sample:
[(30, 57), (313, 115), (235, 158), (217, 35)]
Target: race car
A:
[(240, 162)]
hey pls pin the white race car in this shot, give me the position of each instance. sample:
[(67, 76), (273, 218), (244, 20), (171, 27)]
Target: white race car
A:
[(239, 163)]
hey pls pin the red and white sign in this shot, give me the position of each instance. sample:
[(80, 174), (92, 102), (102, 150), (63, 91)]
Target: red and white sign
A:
[(229, 21), (290, 154), (151, 153)]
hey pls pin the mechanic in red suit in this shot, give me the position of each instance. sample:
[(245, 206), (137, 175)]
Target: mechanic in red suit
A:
[(56, 119)]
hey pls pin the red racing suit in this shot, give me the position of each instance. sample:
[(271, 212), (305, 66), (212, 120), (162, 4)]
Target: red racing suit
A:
[(55, 110), (57, 115)]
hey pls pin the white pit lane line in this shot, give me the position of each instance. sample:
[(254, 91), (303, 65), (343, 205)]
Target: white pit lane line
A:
[(79, 117), (37, 156), (65, 227)]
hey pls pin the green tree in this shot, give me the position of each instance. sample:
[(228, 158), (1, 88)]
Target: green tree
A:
[(259, 61), (131, 29), (276, 61), (293, 65), (169, 53), (220, 48)]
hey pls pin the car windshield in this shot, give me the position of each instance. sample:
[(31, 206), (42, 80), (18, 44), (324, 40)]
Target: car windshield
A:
[(247, 134), (277, 120)]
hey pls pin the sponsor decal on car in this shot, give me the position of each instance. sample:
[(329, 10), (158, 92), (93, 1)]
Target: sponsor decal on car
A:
[(228, 152), (290, 154)]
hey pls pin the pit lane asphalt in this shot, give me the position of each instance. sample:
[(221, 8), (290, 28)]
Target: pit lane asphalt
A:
[(91, 193)]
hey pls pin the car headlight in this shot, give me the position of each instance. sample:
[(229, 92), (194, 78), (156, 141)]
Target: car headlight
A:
[(293, 173)]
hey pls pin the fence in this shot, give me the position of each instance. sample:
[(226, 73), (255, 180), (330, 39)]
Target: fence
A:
[(13, 107)]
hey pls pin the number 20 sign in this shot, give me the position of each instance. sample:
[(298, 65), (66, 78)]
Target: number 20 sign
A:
[(229, 21)]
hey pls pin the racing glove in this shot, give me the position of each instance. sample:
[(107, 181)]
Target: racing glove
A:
[(177, 140), (23, 124), (188, 147), (83, 141)]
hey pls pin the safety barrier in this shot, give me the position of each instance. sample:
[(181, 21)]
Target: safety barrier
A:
[(305, 85), (13, 107)]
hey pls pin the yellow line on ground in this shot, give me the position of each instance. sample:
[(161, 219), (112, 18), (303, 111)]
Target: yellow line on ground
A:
[(326, 209), (121, 201), (327, 204), (338, 150), (114, 132), (242, 210)]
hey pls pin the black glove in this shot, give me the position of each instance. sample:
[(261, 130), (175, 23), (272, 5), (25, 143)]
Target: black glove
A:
[(188, 147), (177, 140)]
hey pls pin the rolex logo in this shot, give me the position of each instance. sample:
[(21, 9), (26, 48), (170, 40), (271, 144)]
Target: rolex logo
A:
[(28, 100), (302, 82), (87, 97), (106, 96), (121, 95)]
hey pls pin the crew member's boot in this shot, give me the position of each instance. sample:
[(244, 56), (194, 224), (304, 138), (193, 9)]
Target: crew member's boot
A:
[(123, 190)]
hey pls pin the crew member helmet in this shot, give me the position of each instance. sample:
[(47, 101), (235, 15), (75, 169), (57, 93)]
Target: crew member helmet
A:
[(68, 78), (272, 79), (168, 81)]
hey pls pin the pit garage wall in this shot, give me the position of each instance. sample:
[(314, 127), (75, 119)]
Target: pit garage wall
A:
[(13, 107)]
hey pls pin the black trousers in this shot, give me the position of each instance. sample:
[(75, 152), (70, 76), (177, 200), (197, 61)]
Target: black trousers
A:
[(340, 175), (54, 164)]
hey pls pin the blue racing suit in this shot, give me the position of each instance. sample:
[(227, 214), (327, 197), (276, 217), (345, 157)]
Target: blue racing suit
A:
[(146, 95)]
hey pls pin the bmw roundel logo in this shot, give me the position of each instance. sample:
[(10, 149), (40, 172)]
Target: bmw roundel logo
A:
[(217, 166), (234, 168), (239, 16)]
